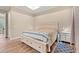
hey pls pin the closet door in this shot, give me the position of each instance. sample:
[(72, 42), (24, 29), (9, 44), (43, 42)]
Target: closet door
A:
[(76, 26)]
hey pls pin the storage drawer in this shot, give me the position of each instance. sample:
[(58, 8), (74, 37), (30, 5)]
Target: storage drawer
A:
[(26, 41), (32, 43), (37, 46)]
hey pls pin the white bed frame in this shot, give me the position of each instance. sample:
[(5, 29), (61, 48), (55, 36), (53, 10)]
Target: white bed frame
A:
[(39, 45)]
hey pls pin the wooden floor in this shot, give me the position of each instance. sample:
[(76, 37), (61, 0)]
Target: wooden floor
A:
[(16, 46)]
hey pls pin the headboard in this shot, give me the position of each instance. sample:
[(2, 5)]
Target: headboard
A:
[(47, 28), (51, 29)]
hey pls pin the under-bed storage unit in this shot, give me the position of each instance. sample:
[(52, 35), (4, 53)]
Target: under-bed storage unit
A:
[(38, 45)]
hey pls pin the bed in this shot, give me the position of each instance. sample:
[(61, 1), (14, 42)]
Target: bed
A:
[(42, 39)]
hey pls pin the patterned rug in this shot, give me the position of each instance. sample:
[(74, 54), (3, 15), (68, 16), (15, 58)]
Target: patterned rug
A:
[(63, 47)]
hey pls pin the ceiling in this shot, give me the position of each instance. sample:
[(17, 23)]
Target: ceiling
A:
[(36, 12)]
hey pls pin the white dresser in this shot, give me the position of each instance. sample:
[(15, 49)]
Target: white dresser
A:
[(65, 36)]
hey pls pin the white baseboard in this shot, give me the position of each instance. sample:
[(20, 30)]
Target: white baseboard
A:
[(15, 38)]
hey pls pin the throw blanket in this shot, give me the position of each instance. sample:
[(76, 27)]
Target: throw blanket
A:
[(42, 36)]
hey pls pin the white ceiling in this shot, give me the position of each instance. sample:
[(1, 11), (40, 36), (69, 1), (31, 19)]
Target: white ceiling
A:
[(25, 9), (39, 11)]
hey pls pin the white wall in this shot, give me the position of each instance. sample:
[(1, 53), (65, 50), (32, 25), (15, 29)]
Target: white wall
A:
[(19, 23), (64, 17)]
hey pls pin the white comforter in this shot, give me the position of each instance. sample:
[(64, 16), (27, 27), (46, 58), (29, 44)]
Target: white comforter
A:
[(42, 36)]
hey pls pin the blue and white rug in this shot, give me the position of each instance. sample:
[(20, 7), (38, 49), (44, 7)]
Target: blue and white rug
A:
[(63, 48)]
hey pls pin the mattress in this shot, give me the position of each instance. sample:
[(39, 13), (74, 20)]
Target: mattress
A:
[(41, 36)]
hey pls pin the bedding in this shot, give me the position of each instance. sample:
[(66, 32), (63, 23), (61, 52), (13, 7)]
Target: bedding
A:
[(41, 36)]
